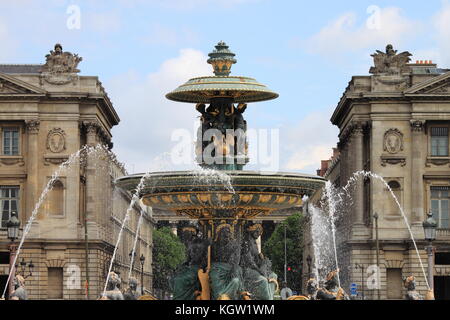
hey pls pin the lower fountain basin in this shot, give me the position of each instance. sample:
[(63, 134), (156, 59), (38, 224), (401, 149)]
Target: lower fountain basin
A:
[(209, 194)]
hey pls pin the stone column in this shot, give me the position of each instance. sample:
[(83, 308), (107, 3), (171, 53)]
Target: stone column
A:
[(91, 185), (32, 160), (358, 165), (417, 161)]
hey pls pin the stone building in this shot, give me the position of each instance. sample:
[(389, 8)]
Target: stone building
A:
[(47, 113), (395, 123)]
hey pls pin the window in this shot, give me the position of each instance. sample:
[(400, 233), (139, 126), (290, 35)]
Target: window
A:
[(9, 201), (439, 206), (442, 258), (10, 141), (439, 141)]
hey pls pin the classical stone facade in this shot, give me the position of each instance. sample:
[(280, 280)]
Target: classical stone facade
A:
[(48, 112), (394, 123)]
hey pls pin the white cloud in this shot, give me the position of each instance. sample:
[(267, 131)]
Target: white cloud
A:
[(148, 118), (101, 22), (190, 4), (344, 35), (441, 23), (308, 142), (160, 34), (8, 44)]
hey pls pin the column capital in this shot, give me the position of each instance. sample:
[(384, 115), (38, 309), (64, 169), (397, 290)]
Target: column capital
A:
[(417, 125), (91, 126), (32, 126)]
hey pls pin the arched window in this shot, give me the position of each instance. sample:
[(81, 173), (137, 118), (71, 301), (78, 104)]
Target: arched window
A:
[(55, 199)]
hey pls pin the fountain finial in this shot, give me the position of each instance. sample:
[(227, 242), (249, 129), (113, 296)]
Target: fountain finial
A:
[(221, 59)]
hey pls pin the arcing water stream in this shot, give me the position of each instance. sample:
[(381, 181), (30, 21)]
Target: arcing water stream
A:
[(83, 153), (333, 199)]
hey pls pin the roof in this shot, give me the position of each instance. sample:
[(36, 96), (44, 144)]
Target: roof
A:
[(20, 68)]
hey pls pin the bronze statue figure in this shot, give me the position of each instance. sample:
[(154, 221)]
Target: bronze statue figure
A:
[(259, 279), (226, 274)]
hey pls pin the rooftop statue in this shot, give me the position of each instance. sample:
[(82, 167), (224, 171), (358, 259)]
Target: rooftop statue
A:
[(58, 61), (390, 62)]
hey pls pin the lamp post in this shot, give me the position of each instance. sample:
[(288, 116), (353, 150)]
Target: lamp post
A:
[(285, 254), (375, 217), (429, 228), (142, 259), (12, 226), (361, 266)]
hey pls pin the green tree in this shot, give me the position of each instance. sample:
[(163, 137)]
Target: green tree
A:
[(168, 254), (274, 250)]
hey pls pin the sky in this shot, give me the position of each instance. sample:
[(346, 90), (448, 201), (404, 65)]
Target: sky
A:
[(306, 51)]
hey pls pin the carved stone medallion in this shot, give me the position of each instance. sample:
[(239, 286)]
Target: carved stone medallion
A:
[(56, 140), (393, 141)]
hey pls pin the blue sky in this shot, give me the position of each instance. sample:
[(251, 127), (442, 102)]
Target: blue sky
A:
[(306, 51)]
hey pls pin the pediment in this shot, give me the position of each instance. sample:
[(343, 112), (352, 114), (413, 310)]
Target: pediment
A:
[(438, 85), (13, 86)]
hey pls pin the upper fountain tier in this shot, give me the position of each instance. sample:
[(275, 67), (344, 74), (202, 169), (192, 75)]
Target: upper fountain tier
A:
[(222, 85)]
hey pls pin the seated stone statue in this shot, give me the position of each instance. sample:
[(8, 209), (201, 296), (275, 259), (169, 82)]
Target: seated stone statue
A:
[(185, 282), (112, 288), (259, 279), (131, 292), (19, 293), (412, 294), (225, 274), (332, 291)]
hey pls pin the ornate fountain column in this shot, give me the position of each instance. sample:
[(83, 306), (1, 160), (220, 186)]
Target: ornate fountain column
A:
[(32, 129), (417, 209)]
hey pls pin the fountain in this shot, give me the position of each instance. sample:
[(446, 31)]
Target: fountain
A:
[(223, 197)]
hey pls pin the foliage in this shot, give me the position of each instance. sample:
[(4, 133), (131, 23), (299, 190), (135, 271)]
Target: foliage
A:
[(168, 254), (274, 250)]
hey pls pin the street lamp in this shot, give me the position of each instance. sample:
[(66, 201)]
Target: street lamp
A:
[(142, 260), (429, 228), (12, 226), (361, 266), (377, 242), (23, 266)]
